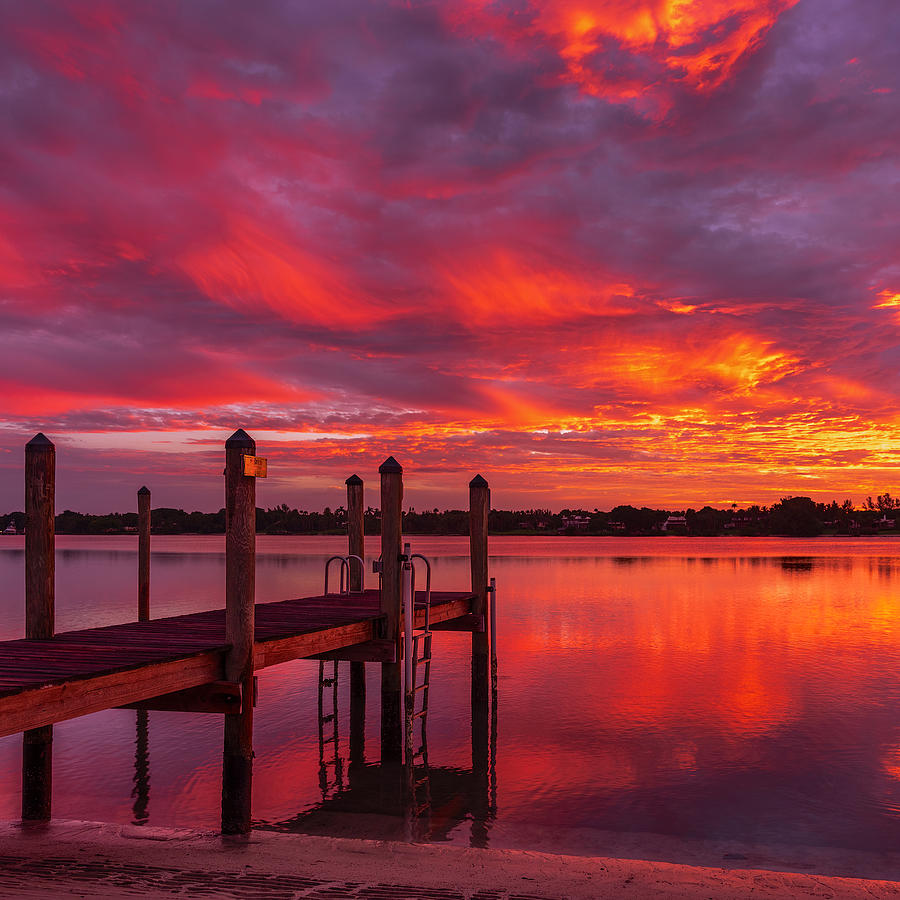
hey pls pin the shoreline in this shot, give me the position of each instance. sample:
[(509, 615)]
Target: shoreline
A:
[(90, 859), (829, 536)]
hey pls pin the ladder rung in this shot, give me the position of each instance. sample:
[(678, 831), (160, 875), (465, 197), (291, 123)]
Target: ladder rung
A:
[(420, 714), (420, 687)]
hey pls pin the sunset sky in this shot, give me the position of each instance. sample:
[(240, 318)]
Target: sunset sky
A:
[(602, 252)]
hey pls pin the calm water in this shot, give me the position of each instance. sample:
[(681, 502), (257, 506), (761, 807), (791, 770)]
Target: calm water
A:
[(741, 689)]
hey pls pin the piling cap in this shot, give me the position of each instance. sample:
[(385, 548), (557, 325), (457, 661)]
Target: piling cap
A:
[(354, 479), (144, 490), (478, 482), (40, 442), (390, 467), (240, 440)]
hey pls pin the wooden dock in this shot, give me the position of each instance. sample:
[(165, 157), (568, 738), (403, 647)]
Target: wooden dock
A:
[(205, 661), (79, 672)]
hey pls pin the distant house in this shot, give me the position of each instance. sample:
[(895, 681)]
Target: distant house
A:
[(616, 526), (579, 523), (675, 523), (10, 529), (885, 522)]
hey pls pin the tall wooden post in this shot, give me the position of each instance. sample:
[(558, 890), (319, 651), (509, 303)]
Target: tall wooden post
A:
[(240, 588), (391, 540), (40, 577), (479, 506), (143, 497), (356, 547)]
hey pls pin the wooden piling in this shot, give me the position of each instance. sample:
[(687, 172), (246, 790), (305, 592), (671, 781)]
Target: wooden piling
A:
[(479, 506), (40, 576), (391, 600), (356, 547), (143, 497), (40, 564), (240, 588)]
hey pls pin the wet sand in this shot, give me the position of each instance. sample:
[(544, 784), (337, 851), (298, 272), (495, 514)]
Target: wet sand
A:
[(85, 859)]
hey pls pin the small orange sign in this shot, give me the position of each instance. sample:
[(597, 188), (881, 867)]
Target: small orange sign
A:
[(255, 466)]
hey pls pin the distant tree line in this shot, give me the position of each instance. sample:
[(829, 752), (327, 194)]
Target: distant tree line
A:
[(794, 516)]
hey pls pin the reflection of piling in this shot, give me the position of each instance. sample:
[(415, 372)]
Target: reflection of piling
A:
[(356, 547), (240, 571), (40, 573), (492, 633), (391, 537), (143, 497), (141, 790)]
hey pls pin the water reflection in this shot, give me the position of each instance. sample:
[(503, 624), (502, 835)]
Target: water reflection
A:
[(741, 689), (413, 801), (797, 564)]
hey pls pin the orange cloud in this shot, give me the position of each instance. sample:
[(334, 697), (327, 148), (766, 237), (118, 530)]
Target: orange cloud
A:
[(698, 41), (505, 287), (889, 300), (737, 363), (251, 268)]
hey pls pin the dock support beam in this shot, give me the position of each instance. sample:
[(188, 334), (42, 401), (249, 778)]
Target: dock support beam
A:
[(356, 547), (40, 578), (143, 498), (240, 590), (479, 507), (391, 542)]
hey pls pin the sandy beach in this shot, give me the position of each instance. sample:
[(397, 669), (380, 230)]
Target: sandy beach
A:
[(87, 859)]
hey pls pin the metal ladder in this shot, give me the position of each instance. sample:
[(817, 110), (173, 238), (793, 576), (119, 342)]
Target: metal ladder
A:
[(329, 735), (417, 651)]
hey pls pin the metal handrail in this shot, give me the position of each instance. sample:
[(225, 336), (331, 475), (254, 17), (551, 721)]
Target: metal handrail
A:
[(362, 572), (427, 562), (344, 565)]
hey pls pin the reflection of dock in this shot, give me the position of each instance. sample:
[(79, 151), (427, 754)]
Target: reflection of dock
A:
[(205, 662), (456, 796)]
